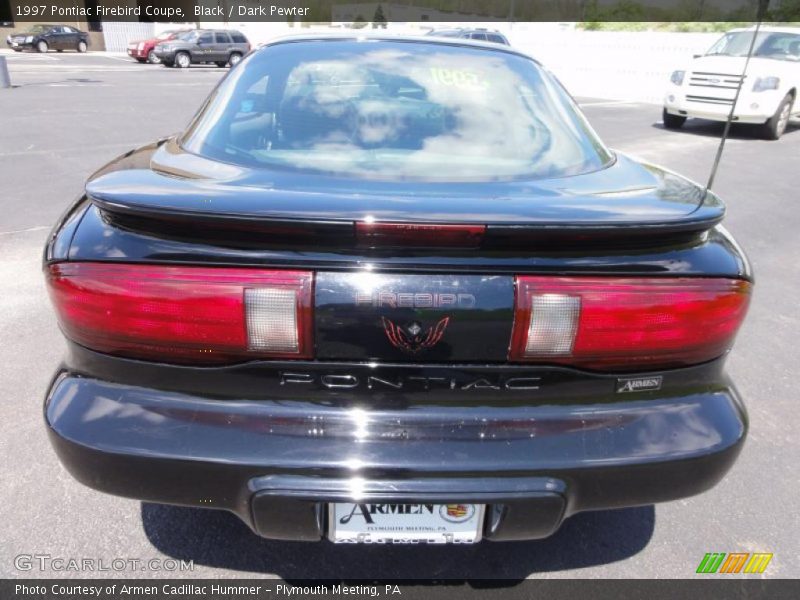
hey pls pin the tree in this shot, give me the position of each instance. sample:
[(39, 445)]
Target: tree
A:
[(379, 20), (786, 11)]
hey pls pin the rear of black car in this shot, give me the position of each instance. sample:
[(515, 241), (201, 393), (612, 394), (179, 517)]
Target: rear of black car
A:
[(394, 290)]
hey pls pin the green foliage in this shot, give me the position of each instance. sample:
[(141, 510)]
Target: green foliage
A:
[(681, 26), (787, 11), (379, 20)]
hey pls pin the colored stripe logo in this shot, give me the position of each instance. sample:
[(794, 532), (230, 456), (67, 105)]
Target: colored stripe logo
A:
[(734, 562)]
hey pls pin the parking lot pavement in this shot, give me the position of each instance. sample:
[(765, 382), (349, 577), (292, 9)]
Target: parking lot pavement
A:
[(71, 114)]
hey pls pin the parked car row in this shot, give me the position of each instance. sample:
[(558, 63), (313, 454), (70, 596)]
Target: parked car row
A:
[(176, 47), (183, 48)]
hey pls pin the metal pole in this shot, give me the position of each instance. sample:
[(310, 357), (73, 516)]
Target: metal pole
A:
[(5, 78), (727, 129)]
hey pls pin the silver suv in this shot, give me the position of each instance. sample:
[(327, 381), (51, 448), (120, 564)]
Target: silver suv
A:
[(218, 46)]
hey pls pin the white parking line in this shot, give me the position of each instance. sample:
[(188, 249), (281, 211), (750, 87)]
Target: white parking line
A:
[(607, 103), (74, 69), (26, 57), (57, 151), (29, 229), (131, 68), (79, 84), (124, 57)]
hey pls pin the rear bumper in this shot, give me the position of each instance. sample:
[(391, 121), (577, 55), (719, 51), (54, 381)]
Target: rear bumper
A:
[(276, 463)]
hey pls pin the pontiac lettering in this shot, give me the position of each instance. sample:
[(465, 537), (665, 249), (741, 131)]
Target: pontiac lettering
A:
[(333, 381)]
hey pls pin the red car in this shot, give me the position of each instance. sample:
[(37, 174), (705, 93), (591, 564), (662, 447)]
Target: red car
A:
[(143, 50)]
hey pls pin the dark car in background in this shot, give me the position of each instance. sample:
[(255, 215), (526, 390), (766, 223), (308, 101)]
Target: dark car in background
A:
[(144, 50), (394, 290), (218, 46), (479, 34), (49, 37)]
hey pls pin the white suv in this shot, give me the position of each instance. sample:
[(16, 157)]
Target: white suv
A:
[(706, 89)]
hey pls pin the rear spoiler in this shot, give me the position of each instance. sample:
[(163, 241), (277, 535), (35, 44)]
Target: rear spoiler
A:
[(249, 230)]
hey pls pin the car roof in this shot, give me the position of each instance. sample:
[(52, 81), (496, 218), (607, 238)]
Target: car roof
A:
[(387, 37)]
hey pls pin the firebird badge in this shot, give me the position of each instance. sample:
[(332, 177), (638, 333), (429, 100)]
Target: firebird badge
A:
[(412, 338)]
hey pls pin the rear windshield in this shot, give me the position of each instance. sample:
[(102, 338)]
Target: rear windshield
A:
[(395, 110)]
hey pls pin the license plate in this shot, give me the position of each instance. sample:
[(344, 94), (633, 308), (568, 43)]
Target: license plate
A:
[(405, 523), (14, 44)]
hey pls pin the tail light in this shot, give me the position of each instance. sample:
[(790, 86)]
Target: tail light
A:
[(184, 314), (606, 323)]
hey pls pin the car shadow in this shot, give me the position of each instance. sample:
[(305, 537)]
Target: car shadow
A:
[(714, 129), (219, 539)]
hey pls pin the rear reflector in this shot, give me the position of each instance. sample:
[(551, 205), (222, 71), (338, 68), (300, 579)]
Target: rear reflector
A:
[(626, 323), (184, 314), (423, 235)]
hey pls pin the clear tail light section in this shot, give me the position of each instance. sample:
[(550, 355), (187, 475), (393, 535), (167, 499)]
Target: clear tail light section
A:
[(625, 323), (185, 314)]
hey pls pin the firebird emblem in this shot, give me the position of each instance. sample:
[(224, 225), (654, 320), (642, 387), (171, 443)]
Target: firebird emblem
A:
[(411, 338)]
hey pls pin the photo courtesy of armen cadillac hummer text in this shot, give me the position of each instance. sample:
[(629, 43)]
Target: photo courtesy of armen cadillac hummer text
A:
[(394, 289)]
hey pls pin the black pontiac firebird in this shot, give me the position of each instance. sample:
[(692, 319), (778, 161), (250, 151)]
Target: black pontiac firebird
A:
[(394, 290)]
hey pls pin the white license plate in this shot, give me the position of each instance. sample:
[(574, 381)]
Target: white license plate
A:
[(405, 523), (14, 44)]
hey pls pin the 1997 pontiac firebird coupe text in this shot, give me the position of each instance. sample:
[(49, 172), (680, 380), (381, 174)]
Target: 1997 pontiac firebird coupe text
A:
[(394, 290)]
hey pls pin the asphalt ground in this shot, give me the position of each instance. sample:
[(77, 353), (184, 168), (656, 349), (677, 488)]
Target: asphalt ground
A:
[(69, 114)]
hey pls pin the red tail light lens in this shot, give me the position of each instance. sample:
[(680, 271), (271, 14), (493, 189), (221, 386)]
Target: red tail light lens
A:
[(619, 323), (184, 314), (425, 235)]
